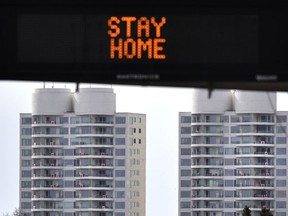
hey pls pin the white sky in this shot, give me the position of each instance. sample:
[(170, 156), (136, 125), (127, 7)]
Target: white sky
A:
[(161, 106)]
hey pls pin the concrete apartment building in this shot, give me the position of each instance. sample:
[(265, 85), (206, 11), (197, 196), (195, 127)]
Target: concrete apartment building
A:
[(232, 154), (79, 157)]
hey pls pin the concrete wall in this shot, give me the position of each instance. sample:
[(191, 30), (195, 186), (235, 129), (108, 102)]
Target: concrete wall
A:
[(51, 101), (219, 102), (240, 101), (255, 102), (55, 101), (95, 101)]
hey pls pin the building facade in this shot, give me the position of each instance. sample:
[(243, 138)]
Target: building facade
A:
[(232, 154), (79, 157)]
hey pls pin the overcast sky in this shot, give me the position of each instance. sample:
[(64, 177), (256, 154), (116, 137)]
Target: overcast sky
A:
[(161, 106)]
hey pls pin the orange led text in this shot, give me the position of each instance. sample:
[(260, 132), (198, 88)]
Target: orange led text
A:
[(132, 37)]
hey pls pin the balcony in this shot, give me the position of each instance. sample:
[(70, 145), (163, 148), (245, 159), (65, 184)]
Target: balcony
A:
[(47, 165)]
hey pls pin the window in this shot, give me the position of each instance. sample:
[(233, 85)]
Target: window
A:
[(280, 140), (235, 140), (244, 161), (85, 130), (211, 140), (119, 184), (26, 194), (68, 162), (63, 120), (185, 194), (120, 194), (120, 120), (26, 131), (26, 163), (68, 194), (26, 152), (280, 183), (224, 140), (26, 205), (120, 152), (235, 129), (196, 140), (195, 118), (185, 214), (229, 151), (51, 130), (246, 118), (281, 194), (212, 118), (281, 129), (64, 141), (246, 150), (228, 204), (235, 118), (185, 183), (67, 205), (120, 130), (185, 172), (87, 140), (281, 172), (185, 204), (120, 205), (185, 162), (120, 141), (281, 151), (68, 183), (185, 140), (185, 119), (82, 194), (75, 120), (26, 142), (229, 193), (120, 162), (63, 130), (26, 120), (185, 130), (224, 118), (281, 118), (120, 173), (229, 183), (229, 161), (74, 130), (281, 204), (281, 161), (229, 172), (68, 152), (85, 119), (26, 173), (26, 184), (185, 151), (246, 139)]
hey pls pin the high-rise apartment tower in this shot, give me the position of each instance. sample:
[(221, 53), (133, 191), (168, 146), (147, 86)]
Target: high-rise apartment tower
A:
[(79, 157), (232, 154)]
